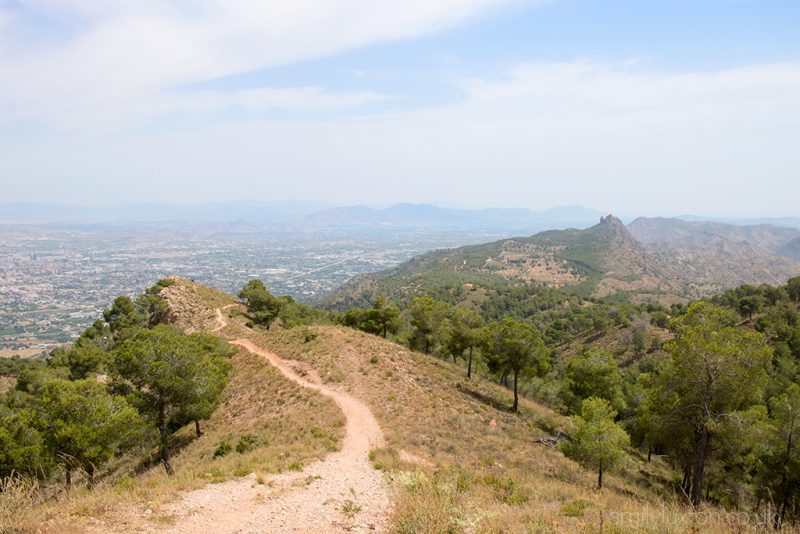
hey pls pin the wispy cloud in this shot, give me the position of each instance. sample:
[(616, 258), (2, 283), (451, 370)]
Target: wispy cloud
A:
[(62, 62), (627, 96), (541, 134)]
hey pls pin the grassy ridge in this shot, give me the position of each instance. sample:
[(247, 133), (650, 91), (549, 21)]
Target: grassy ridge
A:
[(459, 461)]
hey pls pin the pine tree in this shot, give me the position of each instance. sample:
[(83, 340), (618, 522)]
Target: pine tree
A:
[(599, 443)]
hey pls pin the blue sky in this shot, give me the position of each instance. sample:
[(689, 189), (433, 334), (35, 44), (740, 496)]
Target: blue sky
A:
[(637, 107)]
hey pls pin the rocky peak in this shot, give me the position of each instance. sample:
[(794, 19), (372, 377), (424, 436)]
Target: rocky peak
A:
[(615, 227), (612, 221)]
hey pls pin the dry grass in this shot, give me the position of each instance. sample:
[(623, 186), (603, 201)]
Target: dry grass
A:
[(22, 353), (462, 462), (19, 499), (193, 306), (281, 425), (7, 383)]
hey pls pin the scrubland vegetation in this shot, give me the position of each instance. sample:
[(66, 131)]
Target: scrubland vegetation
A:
[(706, 388), (514, 414)]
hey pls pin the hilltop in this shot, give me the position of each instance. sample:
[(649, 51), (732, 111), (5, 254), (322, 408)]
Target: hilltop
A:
[(666, 260)]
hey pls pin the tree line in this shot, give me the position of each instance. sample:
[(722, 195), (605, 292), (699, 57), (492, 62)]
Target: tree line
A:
[(126, 385)]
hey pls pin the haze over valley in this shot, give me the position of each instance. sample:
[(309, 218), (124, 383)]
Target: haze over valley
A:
[(62, 264)]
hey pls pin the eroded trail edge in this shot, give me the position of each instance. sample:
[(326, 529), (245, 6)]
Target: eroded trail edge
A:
[(341, 493)]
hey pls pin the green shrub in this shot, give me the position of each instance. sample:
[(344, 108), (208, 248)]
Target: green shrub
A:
[(574, 508), (308, 335), (222, 449), (246, 443)]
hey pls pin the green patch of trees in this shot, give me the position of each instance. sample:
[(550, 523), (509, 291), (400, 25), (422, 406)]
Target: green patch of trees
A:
[(427, 317), (264, 308), (593, 373), (381, 319), (156, 379), (515, 348), (170, 377), (83, 425), (15, 365), (715, 372), (463, 335), (793, 288), (709, 387)]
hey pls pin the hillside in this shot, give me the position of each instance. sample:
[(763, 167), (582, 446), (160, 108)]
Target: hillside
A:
[(671, 260), (451, 454), (660, 230), (455, 458), (791, 248)]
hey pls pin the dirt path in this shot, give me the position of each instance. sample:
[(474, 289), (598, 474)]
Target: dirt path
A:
[(220, 318), (341, 493)]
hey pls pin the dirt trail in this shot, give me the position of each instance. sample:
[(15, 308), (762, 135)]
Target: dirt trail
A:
[(341, 493), (220, 318)]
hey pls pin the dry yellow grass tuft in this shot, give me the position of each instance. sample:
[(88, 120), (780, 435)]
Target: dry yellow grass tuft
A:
[(7, 384)]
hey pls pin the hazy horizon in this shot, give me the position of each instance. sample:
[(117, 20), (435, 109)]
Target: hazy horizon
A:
[(311, 206)]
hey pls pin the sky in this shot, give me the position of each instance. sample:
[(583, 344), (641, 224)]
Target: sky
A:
[(639, 107)]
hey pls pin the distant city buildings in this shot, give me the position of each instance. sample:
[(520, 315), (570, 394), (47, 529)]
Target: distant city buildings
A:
[(54, 282)]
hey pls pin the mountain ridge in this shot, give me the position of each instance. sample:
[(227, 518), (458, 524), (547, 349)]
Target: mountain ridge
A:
[(603, 260)]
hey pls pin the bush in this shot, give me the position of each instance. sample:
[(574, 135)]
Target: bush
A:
[(246, 443), (574, 508), (308, 335), (222, 449), (660, 319)]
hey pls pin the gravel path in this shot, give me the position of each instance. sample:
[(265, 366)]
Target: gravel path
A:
[(341, 493)]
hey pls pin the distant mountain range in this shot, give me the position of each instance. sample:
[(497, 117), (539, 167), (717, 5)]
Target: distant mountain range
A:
[(779, 240), (427, 216), (667, 260), (788, 222), (305, 216)]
